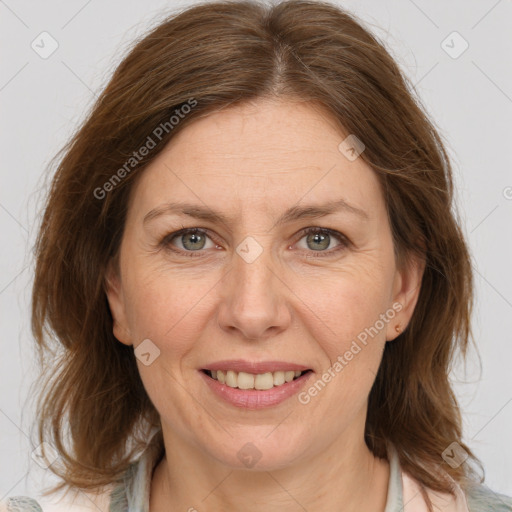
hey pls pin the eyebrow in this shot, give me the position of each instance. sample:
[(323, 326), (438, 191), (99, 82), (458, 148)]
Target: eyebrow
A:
[(292, 214)]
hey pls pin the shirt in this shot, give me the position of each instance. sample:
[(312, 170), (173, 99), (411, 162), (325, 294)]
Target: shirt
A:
[(132, 494)]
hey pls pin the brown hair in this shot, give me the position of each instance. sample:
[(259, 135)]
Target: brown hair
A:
[(211, 56)]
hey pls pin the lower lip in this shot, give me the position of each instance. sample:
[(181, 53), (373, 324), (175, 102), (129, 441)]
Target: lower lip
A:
[(253, 398)]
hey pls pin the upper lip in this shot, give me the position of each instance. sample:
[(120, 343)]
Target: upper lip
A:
[(241, 365)]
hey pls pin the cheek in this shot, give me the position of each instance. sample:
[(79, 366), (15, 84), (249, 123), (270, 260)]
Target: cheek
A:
[(166, 306), (348, 328), (345, 303)]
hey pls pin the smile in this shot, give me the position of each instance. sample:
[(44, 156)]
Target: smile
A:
[(261, 381), (254, 391)]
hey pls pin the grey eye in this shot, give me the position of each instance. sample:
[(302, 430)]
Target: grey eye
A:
[(193, 241), (318, 241)]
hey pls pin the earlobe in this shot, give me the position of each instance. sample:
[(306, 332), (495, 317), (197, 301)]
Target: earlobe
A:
[(115, 298), (407, 287)]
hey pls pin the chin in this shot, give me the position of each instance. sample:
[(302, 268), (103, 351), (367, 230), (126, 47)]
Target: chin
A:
[(262, 452)]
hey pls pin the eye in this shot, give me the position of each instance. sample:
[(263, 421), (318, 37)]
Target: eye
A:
[(192, 241), (320, 239)]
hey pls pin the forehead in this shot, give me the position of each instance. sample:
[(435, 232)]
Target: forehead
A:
[(282, 135), (260, 155)]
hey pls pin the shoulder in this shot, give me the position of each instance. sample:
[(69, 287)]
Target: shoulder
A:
[(473, 498), (482, 499), (131, 492), (78, 501)]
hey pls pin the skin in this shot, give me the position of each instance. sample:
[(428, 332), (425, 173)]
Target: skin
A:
[(251, 163)]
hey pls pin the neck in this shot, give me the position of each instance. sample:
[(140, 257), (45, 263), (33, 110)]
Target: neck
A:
[(345, 477)]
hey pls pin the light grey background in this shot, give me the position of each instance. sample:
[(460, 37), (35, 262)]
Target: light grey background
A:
[(469, 98)]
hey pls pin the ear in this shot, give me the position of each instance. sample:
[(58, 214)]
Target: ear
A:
[(406, 290), (116, 302)]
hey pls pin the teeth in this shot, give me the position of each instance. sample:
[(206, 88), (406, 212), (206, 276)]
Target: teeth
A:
[(231, 379), (262, 381), (279, 378), (265, 381), (245, 381)]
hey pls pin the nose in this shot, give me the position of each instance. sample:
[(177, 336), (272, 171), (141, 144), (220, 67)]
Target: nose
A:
[(254, 301)]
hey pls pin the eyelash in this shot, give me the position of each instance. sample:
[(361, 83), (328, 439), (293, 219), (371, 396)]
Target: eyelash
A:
[(344, 242)]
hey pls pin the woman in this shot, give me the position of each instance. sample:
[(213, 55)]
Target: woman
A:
[(250, 261)]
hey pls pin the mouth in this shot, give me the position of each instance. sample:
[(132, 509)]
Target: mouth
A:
[(251, 381), (250, 384)]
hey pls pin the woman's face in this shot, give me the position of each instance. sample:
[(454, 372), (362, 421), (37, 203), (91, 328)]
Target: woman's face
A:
[(253, 287)]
